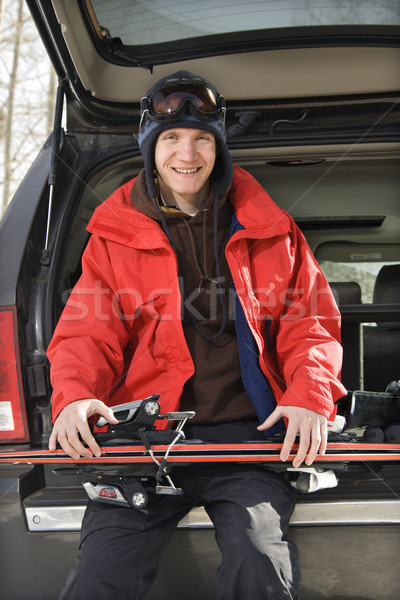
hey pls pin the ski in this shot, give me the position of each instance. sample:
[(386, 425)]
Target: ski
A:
[(206, 452)]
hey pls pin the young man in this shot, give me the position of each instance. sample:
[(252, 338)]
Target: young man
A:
[(196, 286)]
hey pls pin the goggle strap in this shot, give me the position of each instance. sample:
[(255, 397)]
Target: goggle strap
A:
[(142, 117)]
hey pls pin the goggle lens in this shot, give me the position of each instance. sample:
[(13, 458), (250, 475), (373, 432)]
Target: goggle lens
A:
[(170, 98)]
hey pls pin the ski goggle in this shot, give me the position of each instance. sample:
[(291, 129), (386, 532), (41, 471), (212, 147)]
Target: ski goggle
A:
[(170, 101)]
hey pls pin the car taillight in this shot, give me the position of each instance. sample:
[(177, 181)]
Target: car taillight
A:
[(13, 421)]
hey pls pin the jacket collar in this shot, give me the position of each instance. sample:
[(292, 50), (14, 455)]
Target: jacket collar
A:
[(117, 220), (254, 209)]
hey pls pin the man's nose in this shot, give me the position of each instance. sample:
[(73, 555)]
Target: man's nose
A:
[(187, 150)]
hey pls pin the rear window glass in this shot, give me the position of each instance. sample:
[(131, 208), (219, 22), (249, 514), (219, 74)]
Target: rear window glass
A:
[(146, 21), (364, 273)]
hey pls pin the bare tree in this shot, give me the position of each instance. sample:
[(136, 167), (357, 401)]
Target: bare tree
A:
[(27, 90), (2, 9), (10, 106), (51, 100)]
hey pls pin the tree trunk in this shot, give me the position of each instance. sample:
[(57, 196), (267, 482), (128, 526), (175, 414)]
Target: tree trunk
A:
[(51, 100), (2, 9)]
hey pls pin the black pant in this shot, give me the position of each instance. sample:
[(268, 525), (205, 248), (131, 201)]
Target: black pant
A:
[(250, 508)]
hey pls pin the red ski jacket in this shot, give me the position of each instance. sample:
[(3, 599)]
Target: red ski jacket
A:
[(120, 336)]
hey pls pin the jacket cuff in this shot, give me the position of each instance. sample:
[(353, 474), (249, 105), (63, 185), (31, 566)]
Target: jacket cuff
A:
[(310, 399), (60, 400)]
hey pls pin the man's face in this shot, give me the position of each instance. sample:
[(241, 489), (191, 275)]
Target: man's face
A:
[(184, 161)]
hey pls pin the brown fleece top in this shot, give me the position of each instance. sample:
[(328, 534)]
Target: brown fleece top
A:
[(215, 391)]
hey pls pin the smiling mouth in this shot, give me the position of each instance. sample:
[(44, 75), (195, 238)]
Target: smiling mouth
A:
[(186, 171)]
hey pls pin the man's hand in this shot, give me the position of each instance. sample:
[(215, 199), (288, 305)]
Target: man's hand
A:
[(73, 421), (312, 427)]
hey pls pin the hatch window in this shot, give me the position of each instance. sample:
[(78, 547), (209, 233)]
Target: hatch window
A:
[(143, 22)]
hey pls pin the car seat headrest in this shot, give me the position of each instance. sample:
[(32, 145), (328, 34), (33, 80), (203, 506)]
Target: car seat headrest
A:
[(387, 291), (346, 292)]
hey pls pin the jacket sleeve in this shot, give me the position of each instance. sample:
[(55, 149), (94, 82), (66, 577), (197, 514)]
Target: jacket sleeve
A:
[(87, 350), (308, 346)]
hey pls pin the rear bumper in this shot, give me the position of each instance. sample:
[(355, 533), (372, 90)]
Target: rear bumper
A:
[(50, 518)]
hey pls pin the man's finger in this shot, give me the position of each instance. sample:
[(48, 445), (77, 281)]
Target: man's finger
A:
[(68, 449), (53, 440), (304, 443), (315, 444), (324, 437), (271, 420), (71, 438), (288, 442), (109, 415), (87, 436), (318, 442), (105, 411)]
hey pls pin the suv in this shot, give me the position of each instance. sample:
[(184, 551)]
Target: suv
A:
[(313, 113)]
